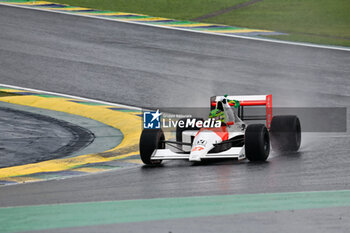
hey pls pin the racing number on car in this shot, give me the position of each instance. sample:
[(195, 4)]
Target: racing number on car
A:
[(198, 148)]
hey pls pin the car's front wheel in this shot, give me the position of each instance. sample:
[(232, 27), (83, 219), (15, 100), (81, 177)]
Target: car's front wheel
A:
[(150, 140), (257, 142)]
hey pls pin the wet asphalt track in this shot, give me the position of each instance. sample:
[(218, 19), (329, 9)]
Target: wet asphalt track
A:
[(146, 66), (30, 138)]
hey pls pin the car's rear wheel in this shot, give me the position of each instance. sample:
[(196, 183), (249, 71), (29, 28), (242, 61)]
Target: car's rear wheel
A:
[(257, 142), (179, 130), (285, 133), (150, 140)]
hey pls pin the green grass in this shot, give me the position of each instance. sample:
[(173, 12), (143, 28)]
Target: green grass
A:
[(179, 9), (317, 21)]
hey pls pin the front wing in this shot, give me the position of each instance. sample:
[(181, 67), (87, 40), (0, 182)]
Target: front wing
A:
[(167, 154)]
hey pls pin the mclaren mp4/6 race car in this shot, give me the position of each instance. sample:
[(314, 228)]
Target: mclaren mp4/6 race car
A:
[(234, 138)]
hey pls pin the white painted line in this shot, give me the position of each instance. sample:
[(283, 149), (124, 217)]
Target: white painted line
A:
[(70, 96), (187, 30)]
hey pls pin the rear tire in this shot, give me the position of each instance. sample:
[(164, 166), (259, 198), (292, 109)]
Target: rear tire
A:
[(257, 142), (285, 133), (150, 140), (179, 130)]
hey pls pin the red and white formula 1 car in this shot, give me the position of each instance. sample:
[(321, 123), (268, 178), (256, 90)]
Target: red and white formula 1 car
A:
[(233, 139)]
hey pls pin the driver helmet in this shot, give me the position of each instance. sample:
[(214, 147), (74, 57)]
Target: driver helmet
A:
[(217, 115)]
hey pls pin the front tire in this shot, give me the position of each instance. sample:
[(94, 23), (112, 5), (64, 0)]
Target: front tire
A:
[(150, 140), (285, 133), (257, 143)]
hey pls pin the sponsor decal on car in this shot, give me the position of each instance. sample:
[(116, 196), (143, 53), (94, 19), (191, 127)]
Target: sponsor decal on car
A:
[(198, 148), (201, 142)]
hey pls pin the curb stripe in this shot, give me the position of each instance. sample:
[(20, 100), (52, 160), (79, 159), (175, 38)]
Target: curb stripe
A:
[(126, 121)]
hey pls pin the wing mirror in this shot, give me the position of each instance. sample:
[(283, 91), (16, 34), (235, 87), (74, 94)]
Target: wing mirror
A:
[(230, 123)]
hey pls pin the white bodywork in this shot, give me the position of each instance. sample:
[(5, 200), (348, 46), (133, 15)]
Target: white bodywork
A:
[(205, 140), (202, 144)]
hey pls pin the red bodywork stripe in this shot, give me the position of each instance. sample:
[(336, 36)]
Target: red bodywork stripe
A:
[(245, 103), (268, 111), (220, 131), (252, 102)]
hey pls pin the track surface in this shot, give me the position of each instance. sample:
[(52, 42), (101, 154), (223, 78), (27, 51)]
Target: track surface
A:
[(29, 138), (147, 66)]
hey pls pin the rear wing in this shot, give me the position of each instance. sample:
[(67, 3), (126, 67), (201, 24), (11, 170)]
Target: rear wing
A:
[(249, 100)]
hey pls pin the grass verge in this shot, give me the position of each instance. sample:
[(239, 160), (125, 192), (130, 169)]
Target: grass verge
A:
[(177, 9), (315, 21)]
